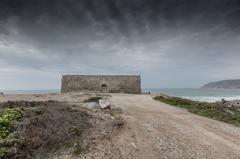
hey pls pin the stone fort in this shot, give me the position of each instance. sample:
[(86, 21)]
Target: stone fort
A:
[(101, 83)]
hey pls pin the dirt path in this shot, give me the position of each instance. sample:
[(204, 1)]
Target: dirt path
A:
[(157, 131)]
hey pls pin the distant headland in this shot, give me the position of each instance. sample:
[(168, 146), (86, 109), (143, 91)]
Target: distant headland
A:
[(224, 84)]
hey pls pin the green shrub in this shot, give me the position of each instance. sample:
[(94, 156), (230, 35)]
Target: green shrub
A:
[(7, 118)]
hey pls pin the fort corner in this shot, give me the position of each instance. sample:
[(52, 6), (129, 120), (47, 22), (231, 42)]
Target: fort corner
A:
[(101, 83)]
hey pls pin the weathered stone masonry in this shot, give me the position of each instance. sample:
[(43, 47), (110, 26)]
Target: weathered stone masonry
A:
[(101, 83)]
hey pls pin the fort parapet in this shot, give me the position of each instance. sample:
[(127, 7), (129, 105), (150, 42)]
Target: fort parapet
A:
[(101, 83)]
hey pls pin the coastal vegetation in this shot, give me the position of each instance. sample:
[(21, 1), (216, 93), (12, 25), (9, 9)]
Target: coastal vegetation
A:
[(218, 111), (7, 118), (30, 129), (39, 129)]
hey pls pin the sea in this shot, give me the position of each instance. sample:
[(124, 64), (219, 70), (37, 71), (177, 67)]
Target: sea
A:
[(205, 95), (199, 94)]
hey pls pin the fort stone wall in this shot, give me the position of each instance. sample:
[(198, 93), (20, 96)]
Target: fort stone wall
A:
[(101, 83)]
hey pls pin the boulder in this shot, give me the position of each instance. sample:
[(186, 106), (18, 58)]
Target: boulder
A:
[(1, 93), (104, 104), (223, 101)]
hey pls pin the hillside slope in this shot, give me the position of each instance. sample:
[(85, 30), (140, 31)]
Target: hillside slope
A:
[(225, 84)]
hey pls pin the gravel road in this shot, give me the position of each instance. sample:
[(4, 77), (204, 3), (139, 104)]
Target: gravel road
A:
[(164, 132)]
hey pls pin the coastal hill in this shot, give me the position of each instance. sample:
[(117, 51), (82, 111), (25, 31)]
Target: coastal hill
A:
[(225, 84)]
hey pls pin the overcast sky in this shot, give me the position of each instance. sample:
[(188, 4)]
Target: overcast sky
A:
[(170, 43)]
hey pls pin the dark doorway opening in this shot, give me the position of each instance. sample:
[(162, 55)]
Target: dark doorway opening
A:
[(104, 88)]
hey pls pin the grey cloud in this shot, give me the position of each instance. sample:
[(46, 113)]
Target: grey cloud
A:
[(160, 39)]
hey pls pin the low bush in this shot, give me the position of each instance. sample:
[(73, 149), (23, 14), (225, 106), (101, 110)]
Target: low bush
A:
[(29, 129), (215, 111), (7, 118)]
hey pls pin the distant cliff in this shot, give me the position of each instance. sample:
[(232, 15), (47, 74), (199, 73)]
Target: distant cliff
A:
[(225, 84)]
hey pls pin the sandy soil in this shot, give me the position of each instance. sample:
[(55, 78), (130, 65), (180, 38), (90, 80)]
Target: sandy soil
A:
[(157, 131)]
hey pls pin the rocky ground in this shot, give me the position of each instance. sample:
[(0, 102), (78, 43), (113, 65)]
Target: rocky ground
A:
[(152, 130), (51, 128)]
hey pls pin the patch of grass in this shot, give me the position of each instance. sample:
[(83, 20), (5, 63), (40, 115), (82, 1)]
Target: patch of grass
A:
[(77, 150), (183, 103), (215, 111)]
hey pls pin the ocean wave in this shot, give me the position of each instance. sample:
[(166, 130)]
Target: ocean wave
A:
[(211, 99)]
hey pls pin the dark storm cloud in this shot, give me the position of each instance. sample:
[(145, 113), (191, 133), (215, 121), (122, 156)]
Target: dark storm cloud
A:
[(123, 15), (122, 36)]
